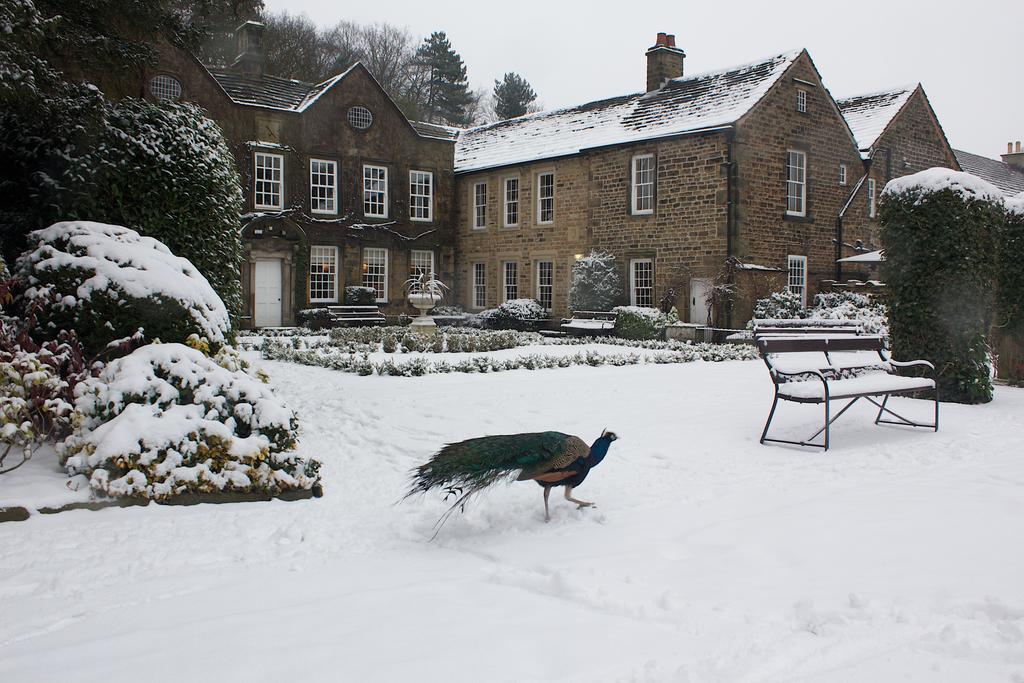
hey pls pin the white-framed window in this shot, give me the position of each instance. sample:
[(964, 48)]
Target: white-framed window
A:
[(375, 191), (268, 192), (545, 283), (872, 205), (642, 184), (421, 262), (479, 285), (511, 202), (511, 280), (801, 101), (323, 274), (641, 282), (842, 174), (796, 183), (323, 186), (360, 117), (164, 87), (375, 271), (421, 195), (546, 197), (480, 206), (797, 279)]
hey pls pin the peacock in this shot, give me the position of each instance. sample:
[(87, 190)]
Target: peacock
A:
[(549, 458)]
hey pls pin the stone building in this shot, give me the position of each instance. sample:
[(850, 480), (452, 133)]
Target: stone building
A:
[(745, 175), (340, 187), (897, 134)]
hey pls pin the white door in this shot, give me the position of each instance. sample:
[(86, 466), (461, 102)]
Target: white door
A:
[(267, 311), (700, 295)]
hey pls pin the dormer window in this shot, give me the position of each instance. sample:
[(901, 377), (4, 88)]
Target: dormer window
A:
[(801, 101), (164, 87), (360, 118)]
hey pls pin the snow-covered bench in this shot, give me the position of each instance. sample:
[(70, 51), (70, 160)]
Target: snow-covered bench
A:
[(821, 369), (356, 315), (590, 323)]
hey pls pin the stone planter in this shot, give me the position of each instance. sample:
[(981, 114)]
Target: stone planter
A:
[(682, 331), (423, 302)]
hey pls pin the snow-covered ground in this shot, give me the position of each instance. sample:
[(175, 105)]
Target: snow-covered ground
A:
[(895, 556)]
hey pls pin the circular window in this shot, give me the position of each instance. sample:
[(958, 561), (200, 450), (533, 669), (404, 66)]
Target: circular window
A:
[(360, 117), (165, 87)]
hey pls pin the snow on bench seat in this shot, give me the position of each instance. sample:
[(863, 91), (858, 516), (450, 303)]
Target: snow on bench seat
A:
[(874, 384), (589, 324)]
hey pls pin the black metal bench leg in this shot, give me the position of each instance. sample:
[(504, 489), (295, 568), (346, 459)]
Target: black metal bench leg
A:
[(828, 421), (936, 406), (771, 414), (881, 408)]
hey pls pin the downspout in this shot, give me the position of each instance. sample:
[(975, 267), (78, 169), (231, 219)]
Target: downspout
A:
[(842, 214), (730, 219)]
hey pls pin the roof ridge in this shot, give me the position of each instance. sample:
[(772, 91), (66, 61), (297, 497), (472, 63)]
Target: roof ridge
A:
[(788, 54), (905, 88)]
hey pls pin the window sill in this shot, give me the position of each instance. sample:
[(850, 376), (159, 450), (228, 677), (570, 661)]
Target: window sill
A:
[(793, 218), (323, 213), (257, 207)]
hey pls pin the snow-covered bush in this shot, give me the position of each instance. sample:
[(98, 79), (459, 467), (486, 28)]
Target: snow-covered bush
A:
[(636, 322), (313, 318), (166, 420), (108, 281), (360, 296), (514, 314), (595, 283), (779, 305), (869, 312), (174, 178), (938, 228)]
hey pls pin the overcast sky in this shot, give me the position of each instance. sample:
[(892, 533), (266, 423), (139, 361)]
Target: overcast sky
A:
[(968, 55)]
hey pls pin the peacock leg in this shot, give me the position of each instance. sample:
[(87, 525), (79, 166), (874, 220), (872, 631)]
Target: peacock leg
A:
[(547, 492), (580, 503)]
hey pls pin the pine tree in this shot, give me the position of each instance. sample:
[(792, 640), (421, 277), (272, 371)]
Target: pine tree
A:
[(512, 96), (446, 97)]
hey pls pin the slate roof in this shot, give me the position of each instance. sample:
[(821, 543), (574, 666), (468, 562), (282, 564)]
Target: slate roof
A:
[(436, 130), (1008, 179), (869, 115), (683, 105), (271, 92)]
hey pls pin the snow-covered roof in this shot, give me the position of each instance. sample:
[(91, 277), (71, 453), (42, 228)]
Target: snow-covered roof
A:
[(869, 115), (1004, 176), (869, 257), (683, 105), (271, 92), (436, 130)]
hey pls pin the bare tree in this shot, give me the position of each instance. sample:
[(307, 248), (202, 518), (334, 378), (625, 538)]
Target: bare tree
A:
[(296, 48)]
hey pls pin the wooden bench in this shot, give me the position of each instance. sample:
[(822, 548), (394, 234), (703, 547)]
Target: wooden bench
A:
[(589, 323), (809, 369), (356, 315)]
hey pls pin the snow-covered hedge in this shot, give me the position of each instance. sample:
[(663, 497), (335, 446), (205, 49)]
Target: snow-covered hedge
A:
[(360, 363), (313, 318), (939, 230), (636, 322), (514, 314), (109, 281), (167, 420), (402, 340), (595, 283), (1010, 266)]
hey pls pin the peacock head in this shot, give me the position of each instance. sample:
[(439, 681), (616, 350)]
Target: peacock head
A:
[(611, 436)]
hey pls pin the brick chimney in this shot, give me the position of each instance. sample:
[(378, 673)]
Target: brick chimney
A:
[(664, 61), (249, 39), (1014, 156)]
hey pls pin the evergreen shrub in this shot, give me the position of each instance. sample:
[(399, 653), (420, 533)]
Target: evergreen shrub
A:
[(595, 283), (938, 228)]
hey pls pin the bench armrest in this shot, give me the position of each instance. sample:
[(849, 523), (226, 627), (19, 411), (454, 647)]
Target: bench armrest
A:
[(907, 364)]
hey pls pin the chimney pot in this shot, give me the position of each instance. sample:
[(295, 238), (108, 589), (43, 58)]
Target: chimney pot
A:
[(1018, 146), (1009, 147), (662, 39), (671, 40)]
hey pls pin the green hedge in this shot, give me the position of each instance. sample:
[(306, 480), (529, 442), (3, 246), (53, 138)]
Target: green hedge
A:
[(1010, 269), (938, 228)]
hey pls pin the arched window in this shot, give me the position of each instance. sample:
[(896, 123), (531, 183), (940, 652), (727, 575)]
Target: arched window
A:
[(165, 87), (360, 118)]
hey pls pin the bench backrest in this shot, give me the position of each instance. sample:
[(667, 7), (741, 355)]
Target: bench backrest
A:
[(808, 344), (800, 331), (595, 315)]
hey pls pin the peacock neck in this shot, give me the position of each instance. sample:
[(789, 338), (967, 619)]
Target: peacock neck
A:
[(599, 450)]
